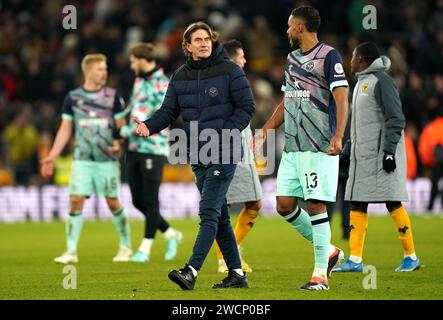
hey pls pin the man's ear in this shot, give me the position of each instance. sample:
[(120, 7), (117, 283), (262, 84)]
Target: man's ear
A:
[(188, 45)]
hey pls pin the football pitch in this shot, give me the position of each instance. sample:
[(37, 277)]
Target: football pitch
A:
[(281, 260)]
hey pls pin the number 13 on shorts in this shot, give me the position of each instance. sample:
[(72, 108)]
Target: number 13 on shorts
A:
[(318, 175), (308, 175), (311, 180)]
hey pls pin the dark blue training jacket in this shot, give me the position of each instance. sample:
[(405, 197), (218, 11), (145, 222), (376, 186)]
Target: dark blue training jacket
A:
[(214, 92)]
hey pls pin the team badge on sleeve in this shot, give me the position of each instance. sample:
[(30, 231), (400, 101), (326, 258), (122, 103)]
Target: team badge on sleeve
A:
[(338, 68)]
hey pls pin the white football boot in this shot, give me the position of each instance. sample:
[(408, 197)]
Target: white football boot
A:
[(123, 255), (67, 257)]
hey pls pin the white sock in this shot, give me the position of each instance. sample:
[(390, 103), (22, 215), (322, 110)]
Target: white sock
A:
[(355, 259), (146, 245), (194, 272), (239, 271), (412, 256), (320, 273), (169, 233)]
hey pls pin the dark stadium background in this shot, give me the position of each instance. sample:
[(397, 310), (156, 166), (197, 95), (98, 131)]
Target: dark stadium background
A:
[(40, 63)]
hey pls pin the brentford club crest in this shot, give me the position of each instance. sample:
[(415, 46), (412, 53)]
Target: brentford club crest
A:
[(310, 66)]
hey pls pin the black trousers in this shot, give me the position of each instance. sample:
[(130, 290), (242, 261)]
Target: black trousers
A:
[(213, 181), (437, 174), (144, 172)]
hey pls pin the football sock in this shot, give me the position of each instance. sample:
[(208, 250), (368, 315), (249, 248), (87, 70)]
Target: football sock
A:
[(358, 227), (401, 219), (355, 259), (239, 271), (321, 234), (74, 225), (121, 223), (194, 272), (412, 256), (145, 246), (245, 222), (218, 251), (300, 221), (169, 233), (320, 273)]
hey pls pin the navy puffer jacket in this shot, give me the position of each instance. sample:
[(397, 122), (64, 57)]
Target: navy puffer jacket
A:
[(214, 92)]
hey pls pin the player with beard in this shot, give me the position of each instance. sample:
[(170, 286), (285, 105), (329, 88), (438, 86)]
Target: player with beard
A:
[(314, 112)]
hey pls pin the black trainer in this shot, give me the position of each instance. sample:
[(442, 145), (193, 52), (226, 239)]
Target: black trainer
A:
[(315, 284), (183, 277), (233, 280)]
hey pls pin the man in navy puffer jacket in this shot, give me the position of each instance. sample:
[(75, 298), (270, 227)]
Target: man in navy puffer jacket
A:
[(210, 92)]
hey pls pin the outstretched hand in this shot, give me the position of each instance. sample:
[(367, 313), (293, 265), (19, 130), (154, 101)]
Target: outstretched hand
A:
[(141, 129)]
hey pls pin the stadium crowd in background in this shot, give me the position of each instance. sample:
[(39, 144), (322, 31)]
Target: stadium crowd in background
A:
[(39, 59)]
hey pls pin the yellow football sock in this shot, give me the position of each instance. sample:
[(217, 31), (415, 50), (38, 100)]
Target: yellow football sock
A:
[(217, 249), (245, 222), (358, 226), (401, 219)]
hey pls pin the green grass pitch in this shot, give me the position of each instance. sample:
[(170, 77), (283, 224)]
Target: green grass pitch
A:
[(281, 260)]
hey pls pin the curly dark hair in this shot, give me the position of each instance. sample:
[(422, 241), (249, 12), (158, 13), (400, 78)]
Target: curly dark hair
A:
[(309, 15)]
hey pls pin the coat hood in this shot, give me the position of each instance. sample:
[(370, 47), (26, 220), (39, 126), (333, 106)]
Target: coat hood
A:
[(382, 63)]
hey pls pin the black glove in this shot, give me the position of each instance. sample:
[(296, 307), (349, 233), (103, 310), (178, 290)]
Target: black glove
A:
[(389, 162)]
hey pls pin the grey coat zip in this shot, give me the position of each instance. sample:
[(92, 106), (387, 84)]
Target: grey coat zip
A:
[(377, 124)]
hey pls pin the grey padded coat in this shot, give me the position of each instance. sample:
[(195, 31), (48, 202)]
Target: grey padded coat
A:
[(377, 124)]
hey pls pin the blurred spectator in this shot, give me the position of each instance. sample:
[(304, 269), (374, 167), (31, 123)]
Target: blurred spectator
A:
[(261, 45), (399, 67), (36, 82), (7, 83), (6, 176), (414, 99), (22, 141), (62, 167), (39, 60), (438, 84), (411, 158), (46, 120), (431, 154)]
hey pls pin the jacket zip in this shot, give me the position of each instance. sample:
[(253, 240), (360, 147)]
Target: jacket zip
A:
[(198, 87), (379, 141), (354, 115)]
